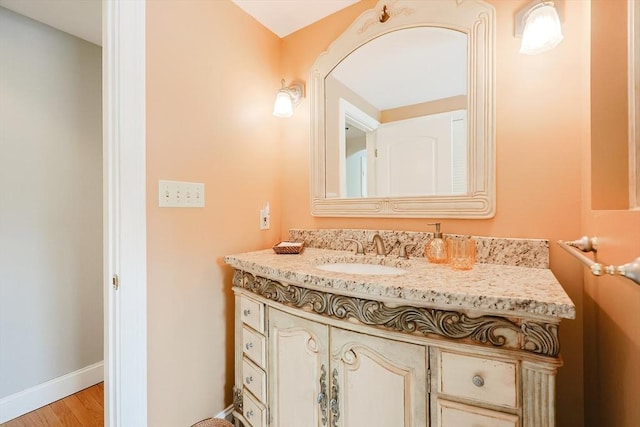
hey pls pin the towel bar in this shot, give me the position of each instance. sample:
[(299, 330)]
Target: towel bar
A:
[(630, 270)]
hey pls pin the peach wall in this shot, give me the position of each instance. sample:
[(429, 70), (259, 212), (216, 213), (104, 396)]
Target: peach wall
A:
[(609, 107), (542, 131), (212, 73), (611, 304), (612, 316)]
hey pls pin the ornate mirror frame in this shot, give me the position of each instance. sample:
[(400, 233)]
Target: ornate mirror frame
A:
[(472, 17)]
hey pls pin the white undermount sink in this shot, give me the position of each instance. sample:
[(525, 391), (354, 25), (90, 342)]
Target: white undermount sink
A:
[(361, 268)]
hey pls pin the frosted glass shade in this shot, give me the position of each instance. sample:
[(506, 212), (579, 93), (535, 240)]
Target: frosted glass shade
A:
[(283, 107), (542, 30)]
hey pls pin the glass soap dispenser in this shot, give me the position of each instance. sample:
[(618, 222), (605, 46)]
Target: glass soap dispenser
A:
[(436, 249)]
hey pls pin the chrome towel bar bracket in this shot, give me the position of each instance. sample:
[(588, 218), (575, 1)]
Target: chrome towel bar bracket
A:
[(630, 270), (585, 244)]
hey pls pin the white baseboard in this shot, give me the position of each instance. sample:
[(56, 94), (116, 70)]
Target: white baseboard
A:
[(38, 396), (226, 414)]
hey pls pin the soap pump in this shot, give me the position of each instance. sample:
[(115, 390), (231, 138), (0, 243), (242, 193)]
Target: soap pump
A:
[(436, 249)]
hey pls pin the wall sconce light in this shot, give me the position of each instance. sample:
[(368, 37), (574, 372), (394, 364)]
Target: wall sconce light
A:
[(286, 98), (539, 26)]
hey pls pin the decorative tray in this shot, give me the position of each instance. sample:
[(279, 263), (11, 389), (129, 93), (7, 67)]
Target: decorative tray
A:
[(288, 247)]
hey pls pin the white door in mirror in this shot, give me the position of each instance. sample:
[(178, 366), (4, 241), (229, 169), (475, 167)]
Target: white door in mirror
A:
[(422, 156)]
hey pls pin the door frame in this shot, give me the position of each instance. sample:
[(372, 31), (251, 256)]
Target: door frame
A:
[(124, 226)]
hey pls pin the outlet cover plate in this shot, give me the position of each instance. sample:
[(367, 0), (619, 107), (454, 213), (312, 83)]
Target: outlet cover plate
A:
[(265, 220)]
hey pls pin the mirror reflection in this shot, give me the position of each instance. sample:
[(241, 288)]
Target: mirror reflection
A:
[(634, 99), (396, 116), (402, 114)]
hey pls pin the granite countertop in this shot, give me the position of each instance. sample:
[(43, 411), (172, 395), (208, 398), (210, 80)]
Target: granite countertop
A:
[(487, 288)]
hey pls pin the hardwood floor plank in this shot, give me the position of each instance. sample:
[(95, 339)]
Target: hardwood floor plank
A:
[(98, 395), (16, 422), (43, 417), (92, 395), (65, 414), (81, 413), (91, 399)]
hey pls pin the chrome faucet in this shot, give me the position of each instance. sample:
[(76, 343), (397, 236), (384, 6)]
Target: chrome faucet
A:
[(377, 240)]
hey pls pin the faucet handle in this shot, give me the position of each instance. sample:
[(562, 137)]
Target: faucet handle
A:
[(359, 246), (403, 250)]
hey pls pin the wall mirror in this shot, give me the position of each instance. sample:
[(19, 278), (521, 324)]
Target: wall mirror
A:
[(615, 106), (634, 104), (403, 113)]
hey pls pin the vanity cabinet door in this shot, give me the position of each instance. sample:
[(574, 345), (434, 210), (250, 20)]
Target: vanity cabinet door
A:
[(377, 381), (297, 371)]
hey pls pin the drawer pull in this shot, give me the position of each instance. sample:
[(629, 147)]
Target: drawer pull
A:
[(248, 345), (249, 379), (478, 381), (247, 312), (249, 414)]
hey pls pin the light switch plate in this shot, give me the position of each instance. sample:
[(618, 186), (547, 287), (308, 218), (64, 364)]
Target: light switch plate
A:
[(179, 194)]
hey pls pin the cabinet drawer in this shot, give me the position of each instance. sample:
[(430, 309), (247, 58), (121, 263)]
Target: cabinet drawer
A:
[(254, 346), (254, 379), (254, 412), (451, 414), (252, 314), (478, 378)]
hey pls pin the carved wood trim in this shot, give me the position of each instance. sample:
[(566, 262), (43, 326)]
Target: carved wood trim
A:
[(531, 336), (386, 12), (237, 399), (538, 391)]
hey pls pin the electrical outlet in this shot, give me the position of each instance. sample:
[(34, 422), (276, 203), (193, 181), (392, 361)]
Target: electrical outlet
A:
[(265, 217), (178, 194)]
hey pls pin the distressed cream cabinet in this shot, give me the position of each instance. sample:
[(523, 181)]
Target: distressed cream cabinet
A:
[(325, 375), (310, 358)]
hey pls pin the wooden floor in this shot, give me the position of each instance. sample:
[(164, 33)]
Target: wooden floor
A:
[(83, 409)]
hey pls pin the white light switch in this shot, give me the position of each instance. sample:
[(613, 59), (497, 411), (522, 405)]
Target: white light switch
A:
[(178, 194)]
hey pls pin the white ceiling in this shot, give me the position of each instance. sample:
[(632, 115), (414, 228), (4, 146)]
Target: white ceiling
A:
[(83, 18), (284, 17), (407, 67)]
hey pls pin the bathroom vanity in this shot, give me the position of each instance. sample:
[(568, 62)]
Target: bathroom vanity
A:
[(330, 338), (417, 346)]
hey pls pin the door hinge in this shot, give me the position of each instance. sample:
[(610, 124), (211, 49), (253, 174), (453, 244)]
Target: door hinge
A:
[(375, 154), (269, 416), (428, 381), (116, 282)]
